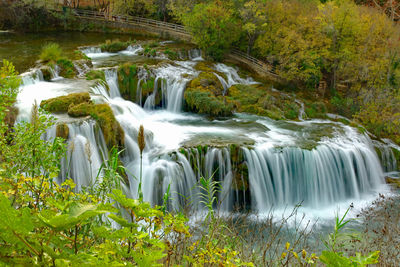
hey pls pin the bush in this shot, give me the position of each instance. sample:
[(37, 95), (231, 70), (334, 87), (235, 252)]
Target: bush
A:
[(51, 53)]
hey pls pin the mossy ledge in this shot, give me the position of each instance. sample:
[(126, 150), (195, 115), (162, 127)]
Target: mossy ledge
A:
[(62, 103), (205, 94), (79, 105), (112, 131)]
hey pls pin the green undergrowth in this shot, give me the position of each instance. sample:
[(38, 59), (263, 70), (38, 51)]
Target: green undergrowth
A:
[(204, 94)]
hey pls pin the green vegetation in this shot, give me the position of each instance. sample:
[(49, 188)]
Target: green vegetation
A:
[(213, 27), (204, 95), (62, 103), (95, 74), (114, 46), (51, 53), (49, 224), (113, 133), (127, 81)]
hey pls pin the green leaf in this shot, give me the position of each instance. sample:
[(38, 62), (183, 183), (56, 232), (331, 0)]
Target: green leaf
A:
[(332, 259)]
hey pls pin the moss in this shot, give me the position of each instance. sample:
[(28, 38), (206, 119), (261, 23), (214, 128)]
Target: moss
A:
[(393, 181), (79, 55), (171, 54), (315, 110), (62, 130), (80, 110), (62, 103), (127, 81), (201, 101), (67, 68), (114, 46), (112, 131), (95, 74), (46, 72)]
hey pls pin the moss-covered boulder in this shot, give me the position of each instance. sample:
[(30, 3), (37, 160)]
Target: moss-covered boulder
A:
[(128, 81), (95, 75), (114, 46), (130, 89), (62, 103), (67, 68), (112, 131), (261, 100), (205, 94), (46, 72)]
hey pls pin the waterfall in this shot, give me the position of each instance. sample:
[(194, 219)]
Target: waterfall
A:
[(112, 81), (272, 171), (232, 75), (132, 50), (176, 78), (85, 154), (55, 73)]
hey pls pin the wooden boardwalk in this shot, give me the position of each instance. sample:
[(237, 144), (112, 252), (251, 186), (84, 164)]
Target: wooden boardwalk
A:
[(178, 31)]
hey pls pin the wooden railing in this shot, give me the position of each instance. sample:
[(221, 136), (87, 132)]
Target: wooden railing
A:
[(260, 65), (130, 20)]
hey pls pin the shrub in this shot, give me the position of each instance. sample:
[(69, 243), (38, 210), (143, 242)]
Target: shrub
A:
[(51, 53)]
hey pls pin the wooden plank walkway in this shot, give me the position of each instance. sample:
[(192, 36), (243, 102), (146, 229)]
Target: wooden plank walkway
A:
[(261, 67)]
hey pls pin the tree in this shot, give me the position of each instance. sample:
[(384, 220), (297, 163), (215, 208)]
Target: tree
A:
[(253, 15), (213, 28)]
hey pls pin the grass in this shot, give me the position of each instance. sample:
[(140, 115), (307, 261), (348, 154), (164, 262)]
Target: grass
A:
[(51, 53)]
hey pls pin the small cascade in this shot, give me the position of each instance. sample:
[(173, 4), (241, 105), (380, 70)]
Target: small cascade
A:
[(151, 99), (176, 78), (195, 54), (332, 172), (387, 157), (81, 68), (225, 85), (132, 50), (32, 77), (55, 73), (302, 113), (86, 153), (232, 75), (112, 81)]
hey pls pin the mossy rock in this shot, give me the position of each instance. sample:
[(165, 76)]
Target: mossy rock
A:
[(204, 102), (128, 81), (62, 130), (67, 68), (62, 103), (46, 72), (393, 181), (112, 131), (95, 75), (114, 46)]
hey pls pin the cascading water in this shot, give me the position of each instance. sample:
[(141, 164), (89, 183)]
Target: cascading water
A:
[(85, 154), (269, 170), (176, 78)]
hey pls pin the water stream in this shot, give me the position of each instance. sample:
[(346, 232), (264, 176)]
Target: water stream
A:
[(259, 163)]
